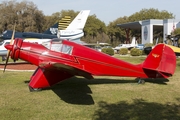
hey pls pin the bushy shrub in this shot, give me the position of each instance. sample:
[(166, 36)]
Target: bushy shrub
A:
[(148, 45), (103, 50), (135, 52), (123, 51), (108, 51)]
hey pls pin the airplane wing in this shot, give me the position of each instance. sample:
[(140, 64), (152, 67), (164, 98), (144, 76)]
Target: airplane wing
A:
[(71, 70), (174, 48), (48, 75)]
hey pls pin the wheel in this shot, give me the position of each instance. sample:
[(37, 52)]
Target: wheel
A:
[(34, 89), (141, 81)]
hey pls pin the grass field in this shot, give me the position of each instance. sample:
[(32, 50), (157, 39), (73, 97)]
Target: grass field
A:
[(104, 98)]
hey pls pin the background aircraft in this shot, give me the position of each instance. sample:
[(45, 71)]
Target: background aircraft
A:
[(72, 31), (174, 46), (128, 46), (58, 60), (75, 30), (63, 29), (174, 40)]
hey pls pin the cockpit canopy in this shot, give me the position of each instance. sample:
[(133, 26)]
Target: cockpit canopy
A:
[(56, 45)]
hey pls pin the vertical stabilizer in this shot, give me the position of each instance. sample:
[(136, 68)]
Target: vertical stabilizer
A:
[(52, 30), (79, 22), (161, 62), (133, 41), (61, 25), (64, 23)]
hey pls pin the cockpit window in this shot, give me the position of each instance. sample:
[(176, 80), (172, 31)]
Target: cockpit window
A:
[(56, 45), (66, 49), (46, 44)]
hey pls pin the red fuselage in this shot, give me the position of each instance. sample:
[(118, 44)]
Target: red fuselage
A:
[(61, 59), (81, 57)]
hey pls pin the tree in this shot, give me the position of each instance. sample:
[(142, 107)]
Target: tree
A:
[(116, 34), (93, 28), (25, 14), (151, 13), (176, 31)]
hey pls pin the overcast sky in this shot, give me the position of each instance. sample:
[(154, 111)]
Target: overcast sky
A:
[(109, 10)]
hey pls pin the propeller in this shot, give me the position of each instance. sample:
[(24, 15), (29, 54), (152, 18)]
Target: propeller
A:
[(8, 53)]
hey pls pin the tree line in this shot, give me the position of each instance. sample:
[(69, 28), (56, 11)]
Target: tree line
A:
[(29, 18)]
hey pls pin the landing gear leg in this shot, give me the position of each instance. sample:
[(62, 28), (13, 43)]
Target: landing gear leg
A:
[(140, 81), (34, 89)]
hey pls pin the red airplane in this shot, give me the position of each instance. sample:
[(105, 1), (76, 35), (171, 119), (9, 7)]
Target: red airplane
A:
[(58, 60)]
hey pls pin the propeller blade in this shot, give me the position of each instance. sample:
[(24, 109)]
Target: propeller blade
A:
[(8, 54), (7, 59)]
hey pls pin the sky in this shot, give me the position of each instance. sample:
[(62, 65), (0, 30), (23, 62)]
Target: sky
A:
[(107, 10)]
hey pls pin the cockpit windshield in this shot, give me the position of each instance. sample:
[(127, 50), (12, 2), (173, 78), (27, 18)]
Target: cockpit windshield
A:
[(56, 45)]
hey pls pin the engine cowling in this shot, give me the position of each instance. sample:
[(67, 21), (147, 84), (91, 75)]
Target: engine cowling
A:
[(16, 49)]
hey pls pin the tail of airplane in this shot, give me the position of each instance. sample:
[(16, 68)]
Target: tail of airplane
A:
[(64, 23), (134, 42), (75, 29), (63, 29), (79, 22), (61, 25), (161, 62), (52, 30)]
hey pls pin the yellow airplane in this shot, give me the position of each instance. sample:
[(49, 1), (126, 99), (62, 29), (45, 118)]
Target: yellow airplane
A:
[(175, 49)]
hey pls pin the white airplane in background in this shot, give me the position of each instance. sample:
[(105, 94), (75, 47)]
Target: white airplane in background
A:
[(75, 30), (128, 46), (72, 32)]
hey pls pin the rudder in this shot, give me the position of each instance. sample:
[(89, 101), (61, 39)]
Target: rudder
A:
[(160, 63)]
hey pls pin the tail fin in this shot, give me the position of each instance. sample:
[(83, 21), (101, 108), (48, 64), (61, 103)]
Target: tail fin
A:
[(64, 22), (134, 42), (160, 63), (52, 30), (79, 21), (61, 25)]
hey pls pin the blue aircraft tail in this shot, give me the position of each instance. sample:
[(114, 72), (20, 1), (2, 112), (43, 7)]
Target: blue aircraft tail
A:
[(52, 30)]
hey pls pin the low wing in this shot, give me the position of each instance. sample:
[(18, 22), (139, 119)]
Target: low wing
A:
[(73, 71), (51, 74)]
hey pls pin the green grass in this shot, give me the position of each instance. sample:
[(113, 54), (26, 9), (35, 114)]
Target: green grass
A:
[(104, 98)]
